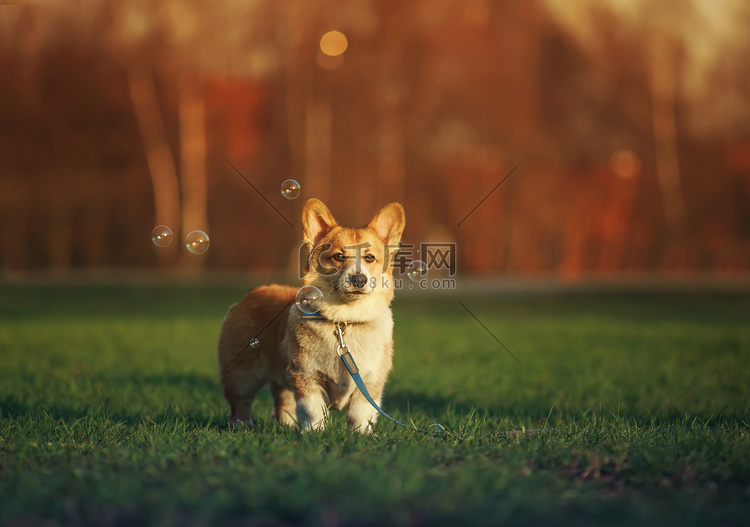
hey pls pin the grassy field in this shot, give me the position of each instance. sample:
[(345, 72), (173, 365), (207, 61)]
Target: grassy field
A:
[(111, 414)]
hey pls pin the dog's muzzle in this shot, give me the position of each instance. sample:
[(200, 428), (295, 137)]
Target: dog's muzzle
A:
[(359, 281)]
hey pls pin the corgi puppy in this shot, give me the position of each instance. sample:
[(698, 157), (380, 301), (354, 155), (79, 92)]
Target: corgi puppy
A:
[(298, 356)]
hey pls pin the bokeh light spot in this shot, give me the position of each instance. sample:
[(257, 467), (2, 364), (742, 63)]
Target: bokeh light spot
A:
[(625, 164), (333, 43)]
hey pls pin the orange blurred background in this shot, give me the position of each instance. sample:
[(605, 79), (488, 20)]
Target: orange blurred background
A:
[(630, 121)]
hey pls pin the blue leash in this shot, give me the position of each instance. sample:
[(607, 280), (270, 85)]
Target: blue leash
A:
[(351, 366)]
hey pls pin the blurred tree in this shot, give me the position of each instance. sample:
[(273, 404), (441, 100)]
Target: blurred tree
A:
[(665, 26)]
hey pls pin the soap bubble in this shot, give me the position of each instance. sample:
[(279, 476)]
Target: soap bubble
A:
[(436, 429), (197, 242), (417, 270), (254, 343), (290, 189), (307, 296), (161, 236)]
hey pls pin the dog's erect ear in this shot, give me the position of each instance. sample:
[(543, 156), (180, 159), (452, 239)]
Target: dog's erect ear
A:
[(317, 220), (389, 223)]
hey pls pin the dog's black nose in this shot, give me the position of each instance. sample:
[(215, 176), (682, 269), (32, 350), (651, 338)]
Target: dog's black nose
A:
[(359, 281)]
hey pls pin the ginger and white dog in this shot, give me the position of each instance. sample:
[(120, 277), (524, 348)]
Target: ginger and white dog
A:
[(298, 356)]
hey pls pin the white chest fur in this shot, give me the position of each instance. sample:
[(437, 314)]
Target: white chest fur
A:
[(367, 342)]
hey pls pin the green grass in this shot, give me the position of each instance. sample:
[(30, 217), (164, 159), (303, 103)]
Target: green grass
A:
[(111, 413)]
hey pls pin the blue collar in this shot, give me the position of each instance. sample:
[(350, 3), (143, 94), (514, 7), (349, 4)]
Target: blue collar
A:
[(312, 316)]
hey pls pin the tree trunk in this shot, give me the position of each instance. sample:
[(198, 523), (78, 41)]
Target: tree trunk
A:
[(664, 101), (158, 156), (193, 176)]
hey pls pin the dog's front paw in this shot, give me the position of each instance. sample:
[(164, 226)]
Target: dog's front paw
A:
[(236, 425), (311, 414), (363, 427), (365, 430), (313, 427)]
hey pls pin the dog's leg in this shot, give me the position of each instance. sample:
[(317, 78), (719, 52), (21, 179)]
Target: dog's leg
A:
[(284, 405), (241, 403), (311, 410), (361, 413)]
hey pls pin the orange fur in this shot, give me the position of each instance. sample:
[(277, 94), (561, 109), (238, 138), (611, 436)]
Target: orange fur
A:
[(298, 357)]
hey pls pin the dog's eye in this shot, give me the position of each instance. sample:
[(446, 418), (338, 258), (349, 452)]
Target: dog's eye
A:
[(339, 257), (369, 258)]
